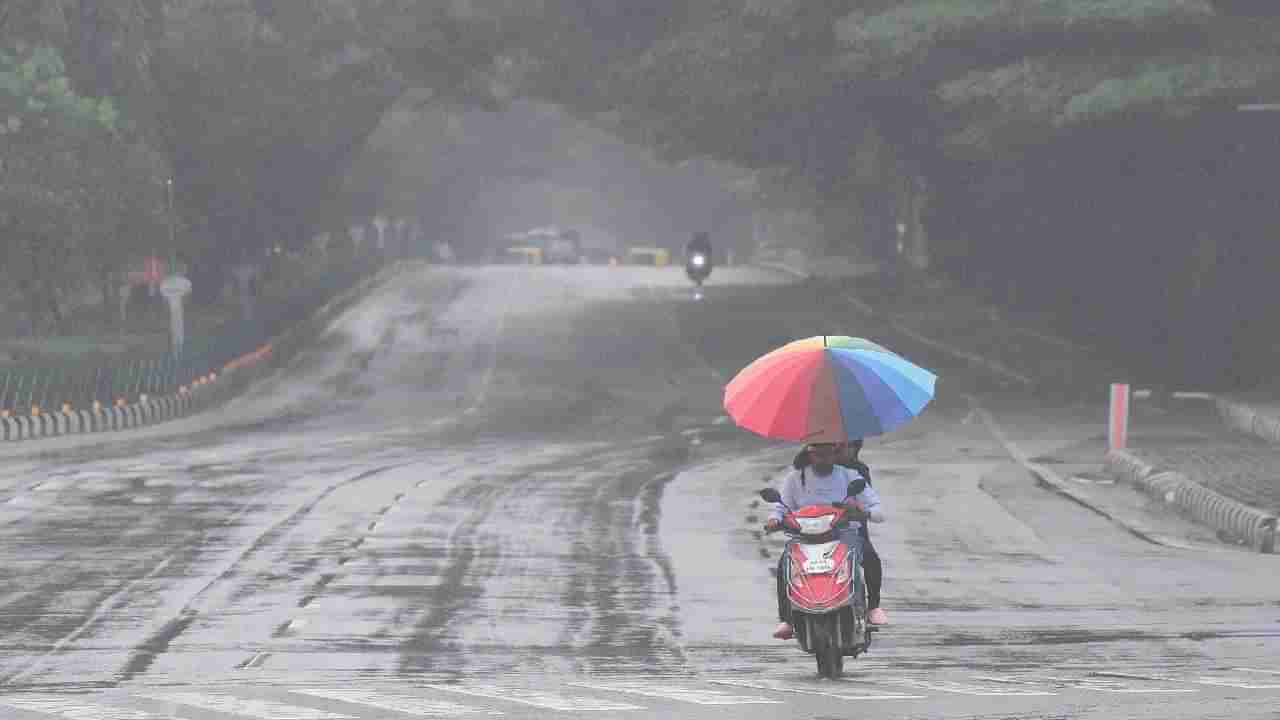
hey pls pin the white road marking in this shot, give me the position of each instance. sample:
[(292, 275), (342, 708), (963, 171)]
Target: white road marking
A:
[(75, 709), (1243, 683), (231, 705), (545, 700), (1256, 670), (1088, 683), (406, 704), (852, 694), (949, 686), (679, 693)]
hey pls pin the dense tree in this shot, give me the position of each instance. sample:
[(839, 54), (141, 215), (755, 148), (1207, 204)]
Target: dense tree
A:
[(1010, 142), (1021, 144)]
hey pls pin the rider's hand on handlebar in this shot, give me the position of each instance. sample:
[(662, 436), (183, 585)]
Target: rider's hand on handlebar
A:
[(855, 510), (773, 525)]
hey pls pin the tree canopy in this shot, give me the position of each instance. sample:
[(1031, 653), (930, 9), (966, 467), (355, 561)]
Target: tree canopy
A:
[(998, 141)]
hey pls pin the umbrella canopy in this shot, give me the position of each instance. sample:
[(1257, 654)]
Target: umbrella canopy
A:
[(828, 388)]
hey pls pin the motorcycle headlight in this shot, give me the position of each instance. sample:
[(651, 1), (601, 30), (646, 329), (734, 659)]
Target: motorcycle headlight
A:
[(698, 260)]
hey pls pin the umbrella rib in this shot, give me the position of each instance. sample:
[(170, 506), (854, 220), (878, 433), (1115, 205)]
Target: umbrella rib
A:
[(753, 404), (800, 382)]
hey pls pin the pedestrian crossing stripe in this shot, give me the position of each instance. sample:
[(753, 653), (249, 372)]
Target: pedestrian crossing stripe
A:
[(404, 704), (232, 705), (1242, 683), (74, 708), (950, 686), (855, 693), (538, 699), (191, 704), (1100, 684), (678, 693)]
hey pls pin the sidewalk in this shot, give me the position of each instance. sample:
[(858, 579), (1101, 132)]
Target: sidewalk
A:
[(1196, 473), (1188, 456), (1255, 413)]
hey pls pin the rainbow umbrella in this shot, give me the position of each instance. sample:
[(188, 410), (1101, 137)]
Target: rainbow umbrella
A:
[(828, 388)]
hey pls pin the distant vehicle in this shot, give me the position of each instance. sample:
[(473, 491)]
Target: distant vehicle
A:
[(698, 267), (545, 245), (658, 257), (565, 248), (520, 255), (697, 263)]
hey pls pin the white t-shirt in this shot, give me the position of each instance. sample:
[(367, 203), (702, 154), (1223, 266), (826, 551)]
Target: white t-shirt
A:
[(819, 490)]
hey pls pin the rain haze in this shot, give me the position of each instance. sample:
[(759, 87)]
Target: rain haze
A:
[(616, 359)]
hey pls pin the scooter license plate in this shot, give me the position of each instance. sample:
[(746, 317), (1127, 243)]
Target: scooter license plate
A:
[(819, 565)]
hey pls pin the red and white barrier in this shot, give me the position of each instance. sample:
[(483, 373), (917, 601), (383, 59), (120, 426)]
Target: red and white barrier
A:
[(1118, 432)]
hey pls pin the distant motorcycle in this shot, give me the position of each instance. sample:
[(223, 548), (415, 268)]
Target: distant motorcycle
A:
[(698, 267), (824, 585)]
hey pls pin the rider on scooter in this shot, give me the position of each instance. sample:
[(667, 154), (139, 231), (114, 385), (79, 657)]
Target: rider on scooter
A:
[(700, 243), (826, 484), (872, 566)]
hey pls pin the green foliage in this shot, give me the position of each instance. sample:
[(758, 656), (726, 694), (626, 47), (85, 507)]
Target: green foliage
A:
[(1171, 85), (912, 25), (35, 90)]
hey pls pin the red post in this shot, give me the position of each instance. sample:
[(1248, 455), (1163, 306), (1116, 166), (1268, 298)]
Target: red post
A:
[(1119, 430)]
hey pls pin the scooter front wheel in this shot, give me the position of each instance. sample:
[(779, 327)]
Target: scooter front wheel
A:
[(826, 647)]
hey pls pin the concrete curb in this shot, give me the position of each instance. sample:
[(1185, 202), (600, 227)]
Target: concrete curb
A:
[(1243, 417), (1050, 479), (1225, 515), (231, 381), (80, 422)]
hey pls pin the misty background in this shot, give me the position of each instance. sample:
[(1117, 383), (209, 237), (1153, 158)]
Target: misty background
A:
[(1108, 162)]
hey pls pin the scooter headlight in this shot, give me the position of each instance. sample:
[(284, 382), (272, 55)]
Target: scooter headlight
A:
[(698, 260)]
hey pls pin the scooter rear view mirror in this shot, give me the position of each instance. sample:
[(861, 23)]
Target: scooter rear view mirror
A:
[(771, 495)]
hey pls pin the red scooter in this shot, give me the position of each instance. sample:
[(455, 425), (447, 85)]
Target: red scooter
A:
[(824, 585)]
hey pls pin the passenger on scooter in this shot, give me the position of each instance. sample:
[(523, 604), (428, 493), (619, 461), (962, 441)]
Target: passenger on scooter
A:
[(871, 564), (826, 483)]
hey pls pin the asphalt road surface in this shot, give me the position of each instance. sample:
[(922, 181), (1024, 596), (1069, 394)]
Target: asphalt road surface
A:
[(512, 492)]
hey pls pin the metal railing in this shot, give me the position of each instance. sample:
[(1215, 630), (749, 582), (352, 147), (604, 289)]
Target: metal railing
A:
[(79, 385)]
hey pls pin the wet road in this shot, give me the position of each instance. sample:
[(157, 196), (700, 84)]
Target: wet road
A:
[(511, 491)]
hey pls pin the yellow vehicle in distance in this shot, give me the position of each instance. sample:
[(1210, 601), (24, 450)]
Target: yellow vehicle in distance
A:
[(654, 256), (521, 255), (542, 246)]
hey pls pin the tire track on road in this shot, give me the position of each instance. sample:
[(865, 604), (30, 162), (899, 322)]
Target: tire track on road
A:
[(101, 609), (158, 643)]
